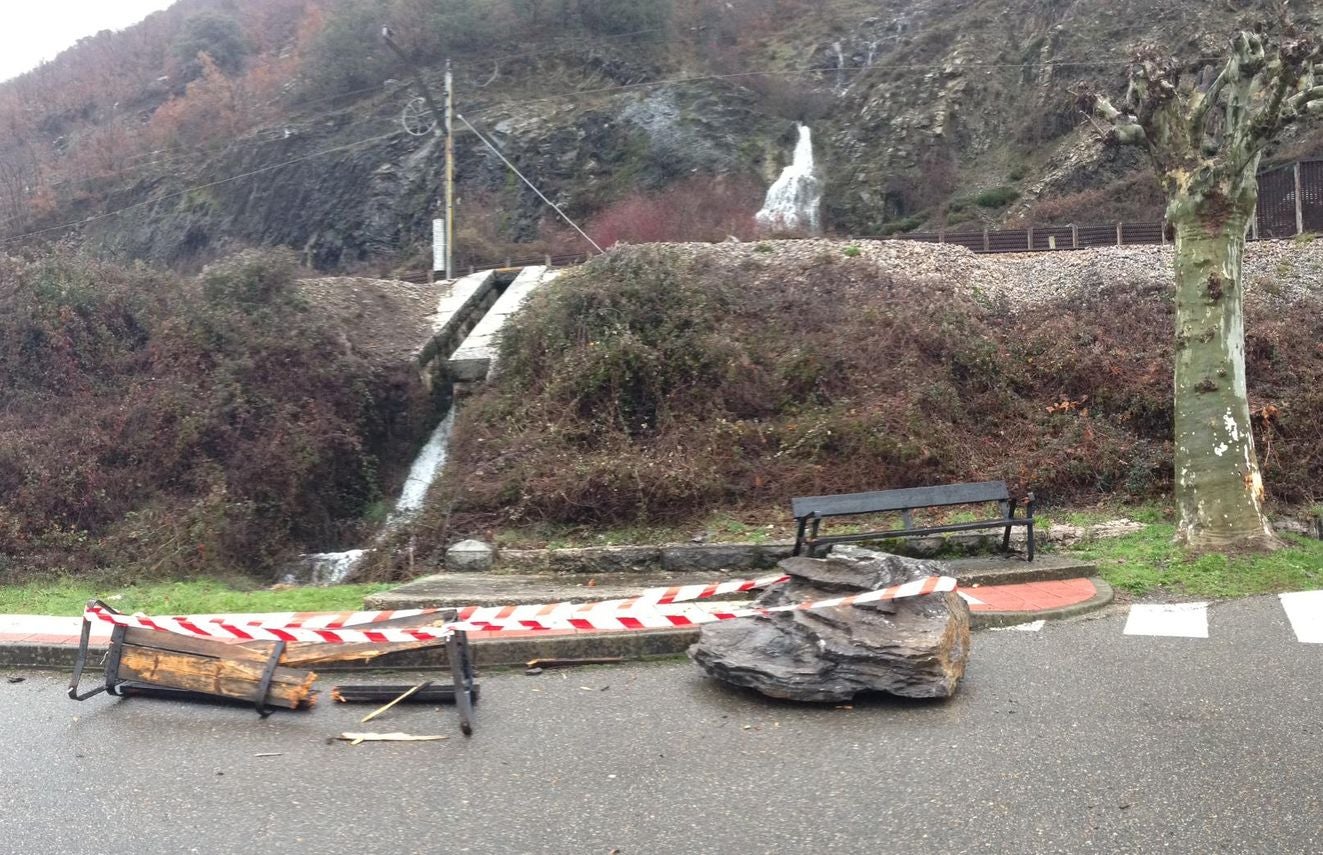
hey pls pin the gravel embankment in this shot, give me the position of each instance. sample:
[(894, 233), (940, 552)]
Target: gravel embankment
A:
[(1281, 271), (386, 321)]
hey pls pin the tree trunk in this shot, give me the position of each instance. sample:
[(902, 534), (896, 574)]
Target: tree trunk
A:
[(1218, 486)]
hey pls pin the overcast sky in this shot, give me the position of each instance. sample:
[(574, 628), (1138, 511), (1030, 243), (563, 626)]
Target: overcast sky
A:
[(35, 30)]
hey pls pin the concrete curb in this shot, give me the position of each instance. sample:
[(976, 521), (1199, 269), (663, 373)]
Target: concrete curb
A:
[(498, 652)]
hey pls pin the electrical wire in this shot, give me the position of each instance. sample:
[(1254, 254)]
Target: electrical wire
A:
[(539, 193)]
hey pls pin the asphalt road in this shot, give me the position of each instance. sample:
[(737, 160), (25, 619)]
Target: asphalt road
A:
[(1074, 739)]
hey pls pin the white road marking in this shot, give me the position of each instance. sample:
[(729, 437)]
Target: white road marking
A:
[(1305, 611), (971, 599), (1177, 620), (1032, 626)]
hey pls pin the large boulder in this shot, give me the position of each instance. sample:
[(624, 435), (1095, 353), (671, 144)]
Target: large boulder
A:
[(915, 647)]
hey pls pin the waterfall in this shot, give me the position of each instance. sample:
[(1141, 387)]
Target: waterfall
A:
[(333, 568), (423, 472), (840, 66), (793, 201)]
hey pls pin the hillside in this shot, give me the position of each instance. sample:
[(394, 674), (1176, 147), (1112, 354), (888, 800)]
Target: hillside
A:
[(221, 124), (667, 383)]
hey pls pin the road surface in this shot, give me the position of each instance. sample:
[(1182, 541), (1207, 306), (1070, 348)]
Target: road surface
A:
[(1075, 738)]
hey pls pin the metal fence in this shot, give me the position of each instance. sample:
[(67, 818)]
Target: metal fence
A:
[(1045, 238), (1290, 203)]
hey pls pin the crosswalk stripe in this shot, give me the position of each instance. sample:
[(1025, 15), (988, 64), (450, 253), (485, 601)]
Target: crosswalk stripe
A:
[(1175, 620), (1305, 612)]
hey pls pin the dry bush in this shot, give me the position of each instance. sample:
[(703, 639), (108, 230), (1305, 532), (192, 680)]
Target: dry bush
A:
[(653, 386), (703, 208), (1135, 198), (161, 427)]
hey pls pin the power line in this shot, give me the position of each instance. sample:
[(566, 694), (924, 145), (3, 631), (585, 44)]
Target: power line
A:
[(540, 194)]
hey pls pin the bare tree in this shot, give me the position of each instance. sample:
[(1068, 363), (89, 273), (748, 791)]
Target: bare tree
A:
[(1205, 133)]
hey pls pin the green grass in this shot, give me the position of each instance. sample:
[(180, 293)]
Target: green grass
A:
[(1148, 562), (166, 598)]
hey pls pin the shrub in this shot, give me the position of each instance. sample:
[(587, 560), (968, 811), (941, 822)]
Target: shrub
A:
[(656, 384), (997, 197), (217, 36), (620, 17), (697, 209), (185, 428), (1134, 198)]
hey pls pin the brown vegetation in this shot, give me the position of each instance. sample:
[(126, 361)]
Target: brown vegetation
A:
[(180, 428), (659, 385)]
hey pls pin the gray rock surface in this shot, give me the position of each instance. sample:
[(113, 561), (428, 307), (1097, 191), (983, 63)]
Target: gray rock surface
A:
[(914, 648)]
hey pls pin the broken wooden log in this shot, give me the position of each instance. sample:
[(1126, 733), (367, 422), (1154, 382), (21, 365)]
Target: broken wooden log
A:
[(215, 668)]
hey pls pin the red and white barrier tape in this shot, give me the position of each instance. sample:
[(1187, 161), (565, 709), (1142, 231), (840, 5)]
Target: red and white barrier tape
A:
[(641, 615), (546, 611), (654, 597)]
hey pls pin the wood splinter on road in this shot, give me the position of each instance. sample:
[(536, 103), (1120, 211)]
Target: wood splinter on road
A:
[(359, 738), (569, 663), (367, 718)]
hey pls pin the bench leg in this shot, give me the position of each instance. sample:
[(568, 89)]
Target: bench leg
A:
[(813, 536), (799, 536), (1030, 527), (1008, 511)]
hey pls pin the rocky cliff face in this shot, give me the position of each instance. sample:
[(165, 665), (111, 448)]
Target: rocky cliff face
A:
[(917, 107)]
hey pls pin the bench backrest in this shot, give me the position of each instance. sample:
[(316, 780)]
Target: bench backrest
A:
[(900, 500)]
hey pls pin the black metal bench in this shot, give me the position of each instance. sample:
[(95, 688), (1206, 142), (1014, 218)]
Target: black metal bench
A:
[(810, 511)]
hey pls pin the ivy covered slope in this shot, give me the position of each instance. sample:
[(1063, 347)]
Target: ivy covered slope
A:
[(663, 383), (163, 427)]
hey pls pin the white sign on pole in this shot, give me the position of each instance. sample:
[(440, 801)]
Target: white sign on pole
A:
[(438, 245)]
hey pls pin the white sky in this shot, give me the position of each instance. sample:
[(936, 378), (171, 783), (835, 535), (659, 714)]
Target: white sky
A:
[(32, 32)]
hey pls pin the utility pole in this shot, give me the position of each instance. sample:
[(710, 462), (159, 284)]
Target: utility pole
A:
[(449, 223), (450, 172)]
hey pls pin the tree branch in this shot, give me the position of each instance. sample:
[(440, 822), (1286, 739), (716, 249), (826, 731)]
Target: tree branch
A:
[(1292, 71), (1205, 102), (1121, 127)]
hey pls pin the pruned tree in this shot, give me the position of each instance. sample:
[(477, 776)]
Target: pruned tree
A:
[(1205, 131)]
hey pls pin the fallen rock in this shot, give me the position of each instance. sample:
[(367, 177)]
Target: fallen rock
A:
[(915, 648)]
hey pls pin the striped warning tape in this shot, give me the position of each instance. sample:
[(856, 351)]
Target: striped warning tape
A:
[(667, 616), (655, 596), (641, 615)]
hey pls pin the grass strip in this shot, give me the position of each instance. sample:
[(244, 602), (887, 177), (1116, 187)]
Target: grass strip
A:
[(67, 597), (1149, 561)]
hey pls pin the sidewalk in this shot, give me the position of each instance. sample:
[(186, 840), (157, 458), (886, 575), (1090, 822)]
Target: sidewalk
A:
[(50, 642)]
